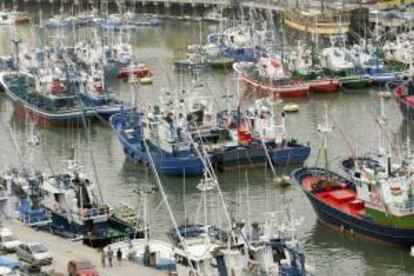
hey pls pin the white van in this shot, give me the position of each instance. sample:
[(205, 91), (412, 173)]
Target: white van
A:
[(8, 240)]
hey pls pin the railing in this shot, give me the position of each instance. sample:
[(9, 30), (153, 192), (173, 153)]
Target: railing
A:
[(95, 212)]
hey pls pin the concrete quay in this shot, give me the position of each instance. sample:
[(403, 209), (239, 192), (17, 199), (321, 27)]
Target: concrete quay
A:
[(64, 250)]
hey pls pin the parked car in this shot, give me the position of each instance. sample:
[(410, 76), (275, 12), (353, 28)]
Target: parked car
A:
[(34, 253), (81, 267), (8, 241)]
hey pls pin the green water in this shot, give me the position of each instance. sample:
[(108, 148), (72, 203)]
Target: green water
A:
[(331, 253)]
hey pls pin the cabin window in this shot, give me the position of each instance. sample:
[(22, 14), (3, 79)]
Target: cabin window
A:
[(181, 260), (56, 197), (357, 175), (194, 264), (369, 188)]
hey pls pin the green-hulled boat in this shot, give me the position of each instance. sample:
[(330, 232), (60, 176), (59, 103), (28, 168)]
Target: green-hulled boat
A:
[(219, 62), (354, 81)]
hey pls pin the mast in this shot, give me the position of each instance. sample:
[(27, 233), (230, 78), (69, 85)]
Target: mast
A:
[(16, 41), (324, 129), (164, 197)]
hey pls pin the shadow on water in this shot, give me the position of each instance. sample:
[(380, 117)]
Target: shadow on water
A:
[(330, 248)]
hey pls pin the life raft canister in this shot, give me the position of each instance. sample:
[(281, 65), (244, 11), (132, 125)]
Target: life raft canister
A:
[(275, 63)]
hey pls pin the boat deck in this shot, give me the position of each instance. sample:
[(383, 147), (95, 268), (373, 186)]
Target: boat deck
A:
[(340, 197)]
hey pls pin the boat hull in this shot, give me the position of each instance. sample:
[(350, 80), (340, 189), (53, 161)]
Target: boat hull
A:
[(255, 156), (76, 119), (324, 86), (363, 226), (405, 101), (285, 91), (354, 82), (116, 231), (179, 164)]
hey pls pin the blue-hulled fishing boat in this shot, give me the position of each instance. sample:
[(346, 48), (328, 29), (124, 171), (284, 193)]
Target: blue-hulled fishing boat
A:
[(167, 141), (236, 43), (51, 101), (51, 106), (366, 62)]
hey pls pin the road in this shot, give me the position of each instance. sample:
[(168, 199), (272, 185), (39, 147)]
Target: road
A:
[(64, 250)]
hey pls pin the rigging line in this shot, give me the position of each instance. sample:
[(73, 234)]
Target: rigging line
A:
[(209, 167), (164, 197)]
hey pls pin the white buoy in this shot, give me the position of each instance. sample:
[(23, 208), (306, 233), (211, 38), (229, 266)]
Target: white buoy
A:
[(145, 81), (385, 94), (412, 251), (291, 108)]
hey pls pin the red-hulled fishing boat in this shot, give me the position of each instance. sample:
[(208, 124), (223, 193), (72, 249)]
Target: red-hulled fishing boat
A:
[(403, 92), (295, 89), (324, 85), (267, 77), (140, 71)]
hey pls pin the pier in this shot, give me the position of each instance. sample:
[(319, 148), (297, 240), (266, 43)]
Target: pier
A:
[(64, 250), (269, 5)]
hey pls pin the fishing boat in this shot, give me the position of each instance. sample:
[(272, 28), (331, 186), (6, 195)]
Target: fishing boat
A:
[(334, 61), (118, 60), (272, 246), (397, 53), (195, 62), (340, 202), (259, 138), (367, 63), (13, 17), (127, 62), (375, 201), (94, 93), (324, 85), (403, 92), (77, 210), (168, 143), (235, 42), (381, 211), (355, 81), (24, 184), (304, 64), (268, 78), (140, 70), (58, 22), (46, 103)]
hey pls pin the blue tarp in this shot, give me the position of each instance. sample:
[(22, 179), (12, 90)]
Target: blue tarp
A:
[(10, 262)]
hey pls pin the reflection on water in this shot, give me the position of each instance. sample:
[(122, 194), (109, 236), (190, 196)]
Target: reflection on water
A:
[(353, 113)]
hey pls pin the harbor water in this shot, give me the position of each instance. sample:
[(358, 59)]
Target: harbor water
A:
[(249, 194)]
